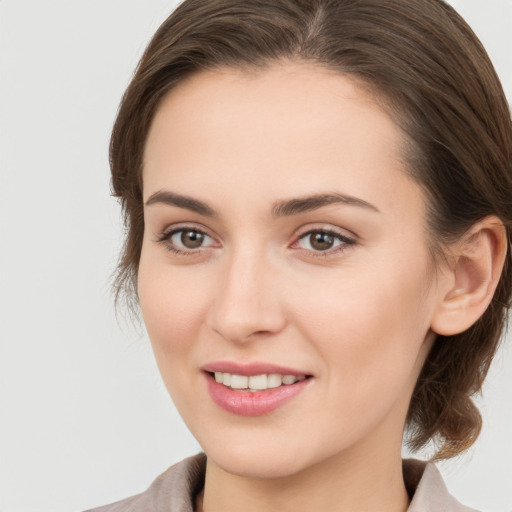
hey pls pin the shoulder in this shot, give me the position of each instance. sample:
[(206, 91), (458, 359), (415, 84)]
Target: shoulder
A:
[(428, 490), (172, 491)]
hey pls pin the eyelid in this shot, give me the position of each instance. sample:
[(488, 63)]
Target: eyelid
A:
[(170, 231), (326, 228), (183, 226), (347, 238)]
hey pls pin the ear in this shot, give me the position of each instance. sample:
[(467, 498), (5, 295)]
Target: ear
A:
[(467, 284)]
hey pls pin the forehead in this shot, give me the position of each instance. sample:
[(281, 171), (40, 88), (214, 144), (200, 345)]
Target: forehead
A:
[(286, 128)]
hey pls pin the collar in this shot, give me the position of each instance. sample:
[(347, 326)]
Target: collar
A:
[(423, 481), (425, 486), (176, 489)]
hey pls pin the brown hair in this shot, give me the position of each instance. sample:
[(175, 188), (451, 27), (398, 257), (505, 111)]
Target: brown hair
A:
[(441, 89)]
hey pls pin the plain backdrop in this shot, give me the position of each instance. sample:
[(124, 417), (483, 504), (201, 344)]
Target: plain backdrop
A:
[(84, 417)]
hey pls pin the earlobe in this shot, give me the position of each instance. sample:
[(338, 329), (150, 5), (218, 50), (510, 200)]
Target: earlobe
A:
[(467, 287)]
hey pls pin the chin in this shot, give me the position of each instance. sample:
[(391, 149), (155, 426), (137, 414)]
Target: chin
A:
[(254, 461)]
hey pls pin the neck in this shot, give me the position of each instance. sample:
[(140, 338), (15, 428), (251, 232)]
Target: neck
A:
[(342, 483)]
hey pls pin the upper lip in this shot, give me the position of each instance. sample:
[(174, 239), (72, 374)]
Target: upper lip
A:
[(249, 369)]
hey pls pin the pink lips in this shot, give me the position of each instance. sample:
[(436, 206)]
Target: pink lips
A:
[(248, 403)]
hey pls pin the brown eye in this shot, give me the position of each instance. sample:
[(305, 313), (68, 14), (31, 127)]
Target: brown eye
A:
[(191, 239), (187, 239), (320, 240)]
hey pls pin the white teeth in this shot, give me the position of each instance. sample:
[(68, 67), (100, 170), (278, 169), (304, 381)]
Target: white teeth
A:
[(239, 381), (289, 379), (274, 380), (256, 382)]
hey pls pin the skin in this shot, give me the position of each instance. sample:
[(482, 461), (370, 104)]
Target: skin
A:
[(357, 317)]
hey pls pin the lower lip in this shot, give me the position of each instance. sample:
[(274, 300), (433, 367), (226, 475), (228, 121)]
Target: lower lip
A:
[(249, 403)]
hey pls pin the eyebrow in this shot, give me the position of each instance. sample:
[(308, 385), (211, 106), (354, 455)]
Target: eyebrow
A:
[(305, 204), (282, 208), (173, 199)]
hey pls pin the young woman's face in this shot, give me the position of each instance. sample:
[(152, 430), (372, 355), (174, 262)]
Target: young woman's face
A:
[(283, 238)]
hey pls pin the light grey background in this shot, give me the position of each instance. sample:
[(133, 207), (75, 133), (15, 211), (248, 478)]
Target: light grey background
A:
[(84, 418)]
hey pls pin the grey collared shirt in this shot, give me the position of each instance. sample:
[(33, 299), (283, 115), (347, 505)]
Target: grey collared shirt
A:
[(175, 490)]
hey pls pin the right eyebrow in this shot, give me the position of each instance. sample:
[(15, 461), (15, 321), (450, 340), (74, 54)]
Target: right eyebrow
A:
[(308, 203), (169, 198)]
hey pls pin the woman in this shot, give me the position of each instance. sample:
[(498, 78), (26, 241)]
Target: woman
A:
[(317, 196)]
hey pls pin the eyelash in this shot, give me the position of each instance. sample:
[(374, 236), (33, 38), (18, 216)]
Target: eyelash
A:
[(166, 237), (345, 241)]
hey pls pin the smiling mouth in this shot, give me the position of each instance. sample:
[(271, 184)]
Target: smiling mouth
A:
[(255, 383), (255, 393)]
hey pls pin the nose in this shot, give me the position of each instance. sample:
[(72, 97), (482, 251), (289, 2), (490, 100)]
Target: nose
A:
[(247, 305)]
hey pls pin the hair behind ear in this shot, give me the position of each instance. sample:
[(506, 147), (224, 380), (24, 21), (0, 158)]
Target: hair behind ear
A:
[(441, 406)]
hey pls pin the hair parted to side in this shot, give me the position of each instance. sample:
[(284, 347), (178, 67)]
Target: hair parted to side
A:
[(439, 86)]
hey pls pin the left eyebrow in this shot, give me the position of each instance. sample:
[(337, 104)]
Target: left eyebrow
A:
[(308, 203)]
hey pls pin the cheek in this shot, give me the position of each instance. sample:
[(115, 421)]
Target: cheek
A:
[(369, 328), (173, 304)]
